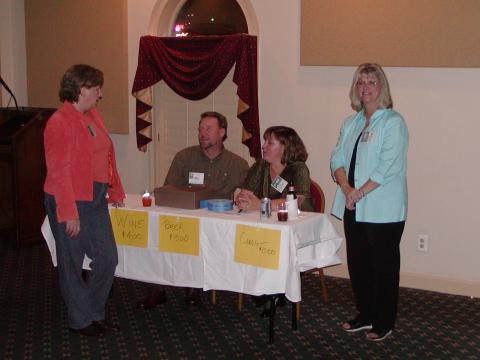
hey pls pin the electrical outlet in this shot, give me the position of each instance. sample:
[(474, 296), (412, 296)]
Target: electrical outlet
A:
[(422, 242)]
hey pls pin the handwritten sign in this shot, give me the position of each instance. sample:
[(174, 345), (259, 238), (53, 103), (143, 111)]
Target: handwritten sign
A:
[(178, 235), (130, 227), (257, 246)]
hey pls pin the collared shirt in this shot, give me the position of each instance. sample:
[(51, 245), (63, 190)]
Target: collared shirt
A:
[(382, 158), (223, 174)]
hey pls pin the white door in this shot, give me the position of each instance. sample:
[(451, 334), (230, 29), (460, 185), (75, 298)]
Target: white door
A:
[(175, 123)]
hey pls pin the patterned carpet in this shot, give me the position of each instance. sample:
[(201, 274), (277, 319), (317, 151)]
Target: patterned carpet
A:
[(33, 323)]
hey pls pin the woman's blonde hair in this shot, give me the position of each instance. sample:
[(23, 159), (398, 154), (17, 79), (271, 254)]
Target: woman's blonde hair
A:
[(385, 99)]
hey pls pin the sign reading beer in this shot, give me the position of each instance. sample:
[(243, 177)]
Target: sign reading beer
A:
[(178, 235)]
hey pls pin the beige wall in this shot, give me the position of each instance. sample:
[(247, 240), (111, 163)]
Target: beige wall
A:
[(438, 105), (12, 51), (87, 32), (133, 165), (427, 33)]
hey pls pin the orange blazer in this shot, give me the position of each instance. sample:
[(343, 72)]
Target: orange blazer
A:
[(69, 157)]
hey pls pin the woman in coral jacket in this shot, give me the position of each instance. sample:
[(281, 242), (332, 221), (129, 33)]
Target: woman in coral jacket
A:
[(81, 172)]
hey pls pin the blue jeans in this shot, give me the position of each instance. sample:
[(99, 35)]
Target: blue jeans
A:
[(85, 300)]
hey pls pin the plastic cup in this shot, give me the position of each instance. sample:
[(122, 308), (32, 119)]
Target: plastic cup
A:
[(282, 213), (147, 201)]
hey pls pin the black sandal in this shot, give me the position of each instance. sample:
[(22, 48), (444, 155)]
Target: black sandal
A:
[(356, 324), (378, 335)]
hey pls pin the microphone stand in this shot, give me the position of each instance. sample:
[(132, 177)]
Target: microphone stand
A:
[(4, 84)]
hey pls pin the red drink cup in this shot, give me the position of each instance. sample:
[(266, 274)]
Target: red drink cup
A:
[(147, 201), (282, 215)]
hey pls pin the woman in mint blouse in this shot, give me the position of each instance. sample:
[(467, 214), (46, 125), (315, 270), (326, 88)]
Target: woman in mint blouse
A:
[(369, 165)]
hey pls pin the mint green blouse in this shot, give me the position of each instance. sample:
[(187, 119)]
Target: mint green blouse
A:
[(381, 157)]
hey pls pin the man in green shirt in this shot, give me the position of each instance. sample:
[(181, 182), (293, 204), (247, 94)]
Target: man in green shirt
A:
[(209, 164)]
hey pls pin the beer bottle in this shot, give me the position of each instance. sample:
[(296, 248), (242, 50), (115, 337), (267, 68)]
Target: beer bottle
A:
[(291, 195)]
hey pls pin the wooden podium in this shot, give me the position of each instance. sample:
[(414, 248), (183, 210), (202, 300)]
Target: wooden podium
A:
[(22, 172)]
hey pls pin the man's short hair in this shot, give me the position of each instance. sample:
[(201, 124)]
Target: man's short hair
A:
[(221, 119)]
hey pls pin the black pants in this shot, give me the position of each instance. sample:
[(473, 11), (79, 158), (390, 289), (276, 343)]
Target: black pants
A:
[(373, 255)]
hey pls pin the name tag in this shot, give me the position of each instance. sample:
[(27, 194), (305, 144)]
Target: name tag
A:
[(367, 136), (279, 184), (195, 178)]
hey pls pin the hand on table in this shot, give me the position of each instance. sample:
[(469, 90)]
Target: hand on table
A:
[(246, 200)]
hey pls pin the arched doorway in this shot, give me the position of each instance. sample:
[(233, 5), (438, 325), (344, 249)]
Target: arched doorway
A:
[(165, 12), (175, 119)]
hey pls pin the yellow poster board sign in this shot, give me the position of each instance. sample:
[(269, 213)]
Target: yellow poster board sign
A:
[(257, 246), (178, 235), (130, 227)]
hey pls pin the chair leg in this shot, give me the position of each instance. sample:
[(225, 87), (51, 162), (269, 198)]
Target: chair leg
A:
[(240, 302), (321, 276), (214, 297), (294, 316)]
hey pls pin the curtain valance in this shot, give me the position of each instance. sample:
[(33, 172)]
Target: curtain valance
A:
[(194, 67)]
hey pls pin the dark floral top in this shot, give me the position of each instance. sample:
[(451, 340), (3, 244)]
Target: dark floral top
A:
[(258, 180)]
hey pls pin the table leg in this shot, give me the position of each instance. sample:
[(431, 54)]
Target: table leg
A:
[(271, 320), (294, 316)]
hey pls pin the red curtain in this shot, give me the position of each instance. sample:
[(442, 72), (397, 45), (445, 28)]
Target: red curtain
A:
[(193, 67)]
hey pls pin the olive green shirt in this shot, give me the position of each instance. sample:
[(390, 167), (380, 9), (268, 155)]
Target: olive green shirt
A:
[(258, 180), (223, 174)]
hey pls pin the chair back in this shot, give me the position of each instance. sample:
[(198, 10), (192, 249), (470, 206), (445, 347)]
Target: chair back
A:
[(318, 197)]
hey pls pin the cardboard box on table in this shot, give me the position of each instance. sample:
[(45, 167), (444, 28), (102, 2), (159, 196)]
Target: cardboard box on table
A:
[(183, 197)]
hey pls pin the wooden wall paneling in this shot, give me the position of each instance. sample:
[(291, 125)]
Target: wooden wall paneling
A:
[(403, 33), (62, 33)]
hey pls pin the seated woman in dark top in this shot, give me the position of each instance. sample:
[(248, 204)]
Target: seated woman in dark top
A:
[(284, 157)]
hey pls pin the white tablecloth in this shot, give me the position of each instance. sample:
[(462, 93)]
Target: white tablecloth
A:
[(309, 242)]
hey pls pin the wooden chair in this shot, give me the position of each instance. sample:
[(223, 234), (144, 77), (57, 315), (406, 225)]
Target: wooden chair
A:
[(318, 198), (239, 300)]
